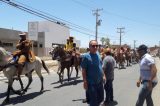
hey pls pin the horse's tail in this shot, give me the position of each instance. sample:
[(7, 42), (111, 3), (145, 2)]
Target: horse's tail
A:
[(44, 66)]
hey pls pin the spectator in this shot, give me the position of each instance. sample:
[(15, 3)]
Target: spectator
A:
[(93, 75), (108, 68), (147, 78)]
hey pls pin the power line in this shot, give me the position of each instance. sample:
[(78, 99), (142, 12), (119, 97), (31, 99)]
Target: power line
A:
[(42, 15), (118, 15)]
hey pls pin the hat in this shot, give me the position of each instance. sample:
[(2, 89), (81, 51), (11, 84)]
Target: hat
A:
[(142, 47), (22, 34), (108, 50)]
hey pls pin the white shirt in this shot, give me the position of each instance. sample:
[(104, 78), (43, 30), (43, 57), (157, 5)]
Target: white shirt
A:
[(145, 67)]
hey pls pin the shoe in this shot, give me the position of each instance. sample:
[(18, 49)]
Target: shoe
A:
[(105, 103), (114, 102)]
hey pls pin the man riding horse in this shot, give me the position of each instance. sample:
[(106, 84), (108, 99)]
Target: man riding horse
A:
[(70, 48), (23, 53)]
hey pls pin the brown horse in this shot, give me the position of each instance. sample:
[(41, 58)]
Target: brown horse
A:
[(121, 58), (66, 60), (128, 56)]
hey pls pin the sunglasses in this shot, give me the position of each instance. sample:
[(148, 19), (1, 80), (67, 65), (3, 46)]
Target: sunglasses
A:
[(94, 46)]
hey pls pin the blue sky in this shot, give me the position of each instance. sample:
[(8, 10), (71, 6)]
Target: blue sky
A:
[(139, 17)]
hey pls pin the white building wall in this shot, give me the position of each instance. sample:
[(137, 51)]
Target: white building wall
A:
[(54, 33)]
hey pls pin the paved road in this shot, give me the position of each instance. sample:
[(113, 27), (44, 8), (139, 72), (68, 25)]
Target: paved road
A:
[(72, 93)]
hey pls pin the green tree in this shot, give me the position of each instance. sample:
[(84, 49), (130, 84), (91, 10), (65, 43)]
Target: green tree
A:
[(107, 41), (102, 40)]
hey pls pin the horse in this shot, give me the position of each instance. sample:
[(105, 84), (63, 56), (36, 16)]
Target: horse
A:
[(121, 58), (28, 68), (134, 56), (66, 61), (128, 57)]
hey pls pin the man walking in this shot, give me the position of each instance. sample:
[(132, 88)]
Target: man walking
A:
[(93, 75), (147, 78), (108, 68)]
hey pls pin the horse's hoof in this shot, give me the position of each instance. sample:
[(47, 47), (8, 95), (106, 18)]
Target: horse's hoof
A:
[(25, 90), (6, 101), (41, 91)]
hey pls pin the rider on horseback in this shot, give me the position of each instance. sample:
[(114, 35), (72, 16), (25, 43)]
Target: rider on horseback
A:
[(70, 48), (24, 53)]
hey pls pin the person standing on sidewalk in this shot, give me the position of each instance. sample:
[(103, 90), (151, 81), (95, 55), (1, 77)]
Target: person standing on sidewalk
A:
[(108, 68), (93, 75), (147, 78)]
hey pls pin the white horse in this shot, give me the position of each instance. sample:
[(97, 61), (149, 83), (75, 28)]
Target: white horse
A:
[(29, 67)]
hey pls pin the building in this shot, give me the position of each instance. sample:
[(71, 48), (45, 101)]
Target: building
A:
[(9, 38), (45, 33)]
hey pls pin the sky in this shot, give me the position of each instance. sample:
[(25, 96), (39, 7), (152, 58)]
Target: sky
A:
[(140, 18)]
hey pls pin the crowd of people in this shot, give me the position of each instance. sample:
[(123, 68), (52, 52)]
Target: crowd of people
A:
[(98, 75)]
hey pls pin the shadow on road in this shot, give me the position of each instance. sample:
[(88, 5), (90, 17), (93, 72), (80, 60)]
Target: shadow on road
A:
[(2, 95), (73, 82), (75, 100), (22, 99), (73, 78)]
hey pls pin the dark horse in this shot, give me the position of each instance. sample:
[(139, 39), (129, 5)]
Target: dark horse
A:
[(66, 60)]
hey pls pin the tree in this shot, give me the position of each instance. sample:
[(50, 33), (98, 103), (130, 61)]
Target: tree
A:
[(103, 40), (107, 41)]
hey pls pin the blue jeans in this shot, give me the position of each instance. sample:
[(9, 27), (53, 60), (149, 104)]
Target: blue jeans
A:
[(145, 94), (96, 94), (109, 90)]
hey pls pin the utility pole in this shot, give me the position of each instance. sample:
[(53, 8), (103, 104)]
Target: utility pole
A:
[(98, 22), (120, 32), (134, 44)]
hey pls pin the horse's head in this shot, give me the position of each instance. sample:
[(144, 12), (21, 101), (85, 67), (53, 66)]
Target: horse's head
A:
[(57, 52), (4, 56)]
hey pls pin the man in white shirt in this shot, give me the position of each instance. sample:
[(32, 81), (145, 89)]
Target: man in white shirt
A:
[(147, 78)]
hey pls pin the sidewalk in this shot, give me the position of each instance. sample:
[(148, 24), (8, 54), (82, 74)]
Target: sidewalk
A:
[(49, 63)]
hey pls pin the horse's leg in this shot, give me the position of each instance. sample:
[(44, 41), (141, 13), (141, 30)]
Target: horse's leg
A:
[(38, 71), (21, 83), (76, 67), (30, 79), (10, 82), (71, 71), (18, 92), (60, 74), (68, 73)]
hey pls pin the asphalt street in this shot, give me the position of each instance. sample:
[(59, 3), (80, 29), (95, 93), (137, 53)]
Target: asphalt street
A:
[(72, 93)]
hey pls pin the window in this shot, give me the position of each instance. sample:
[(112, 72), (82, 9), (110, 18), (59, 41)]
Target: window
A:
[(40, 45), (7, 44)]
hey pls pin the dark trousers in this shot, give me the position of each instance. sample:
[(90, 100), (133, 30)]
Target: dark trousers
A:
[(109, 90), (96, 94)]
